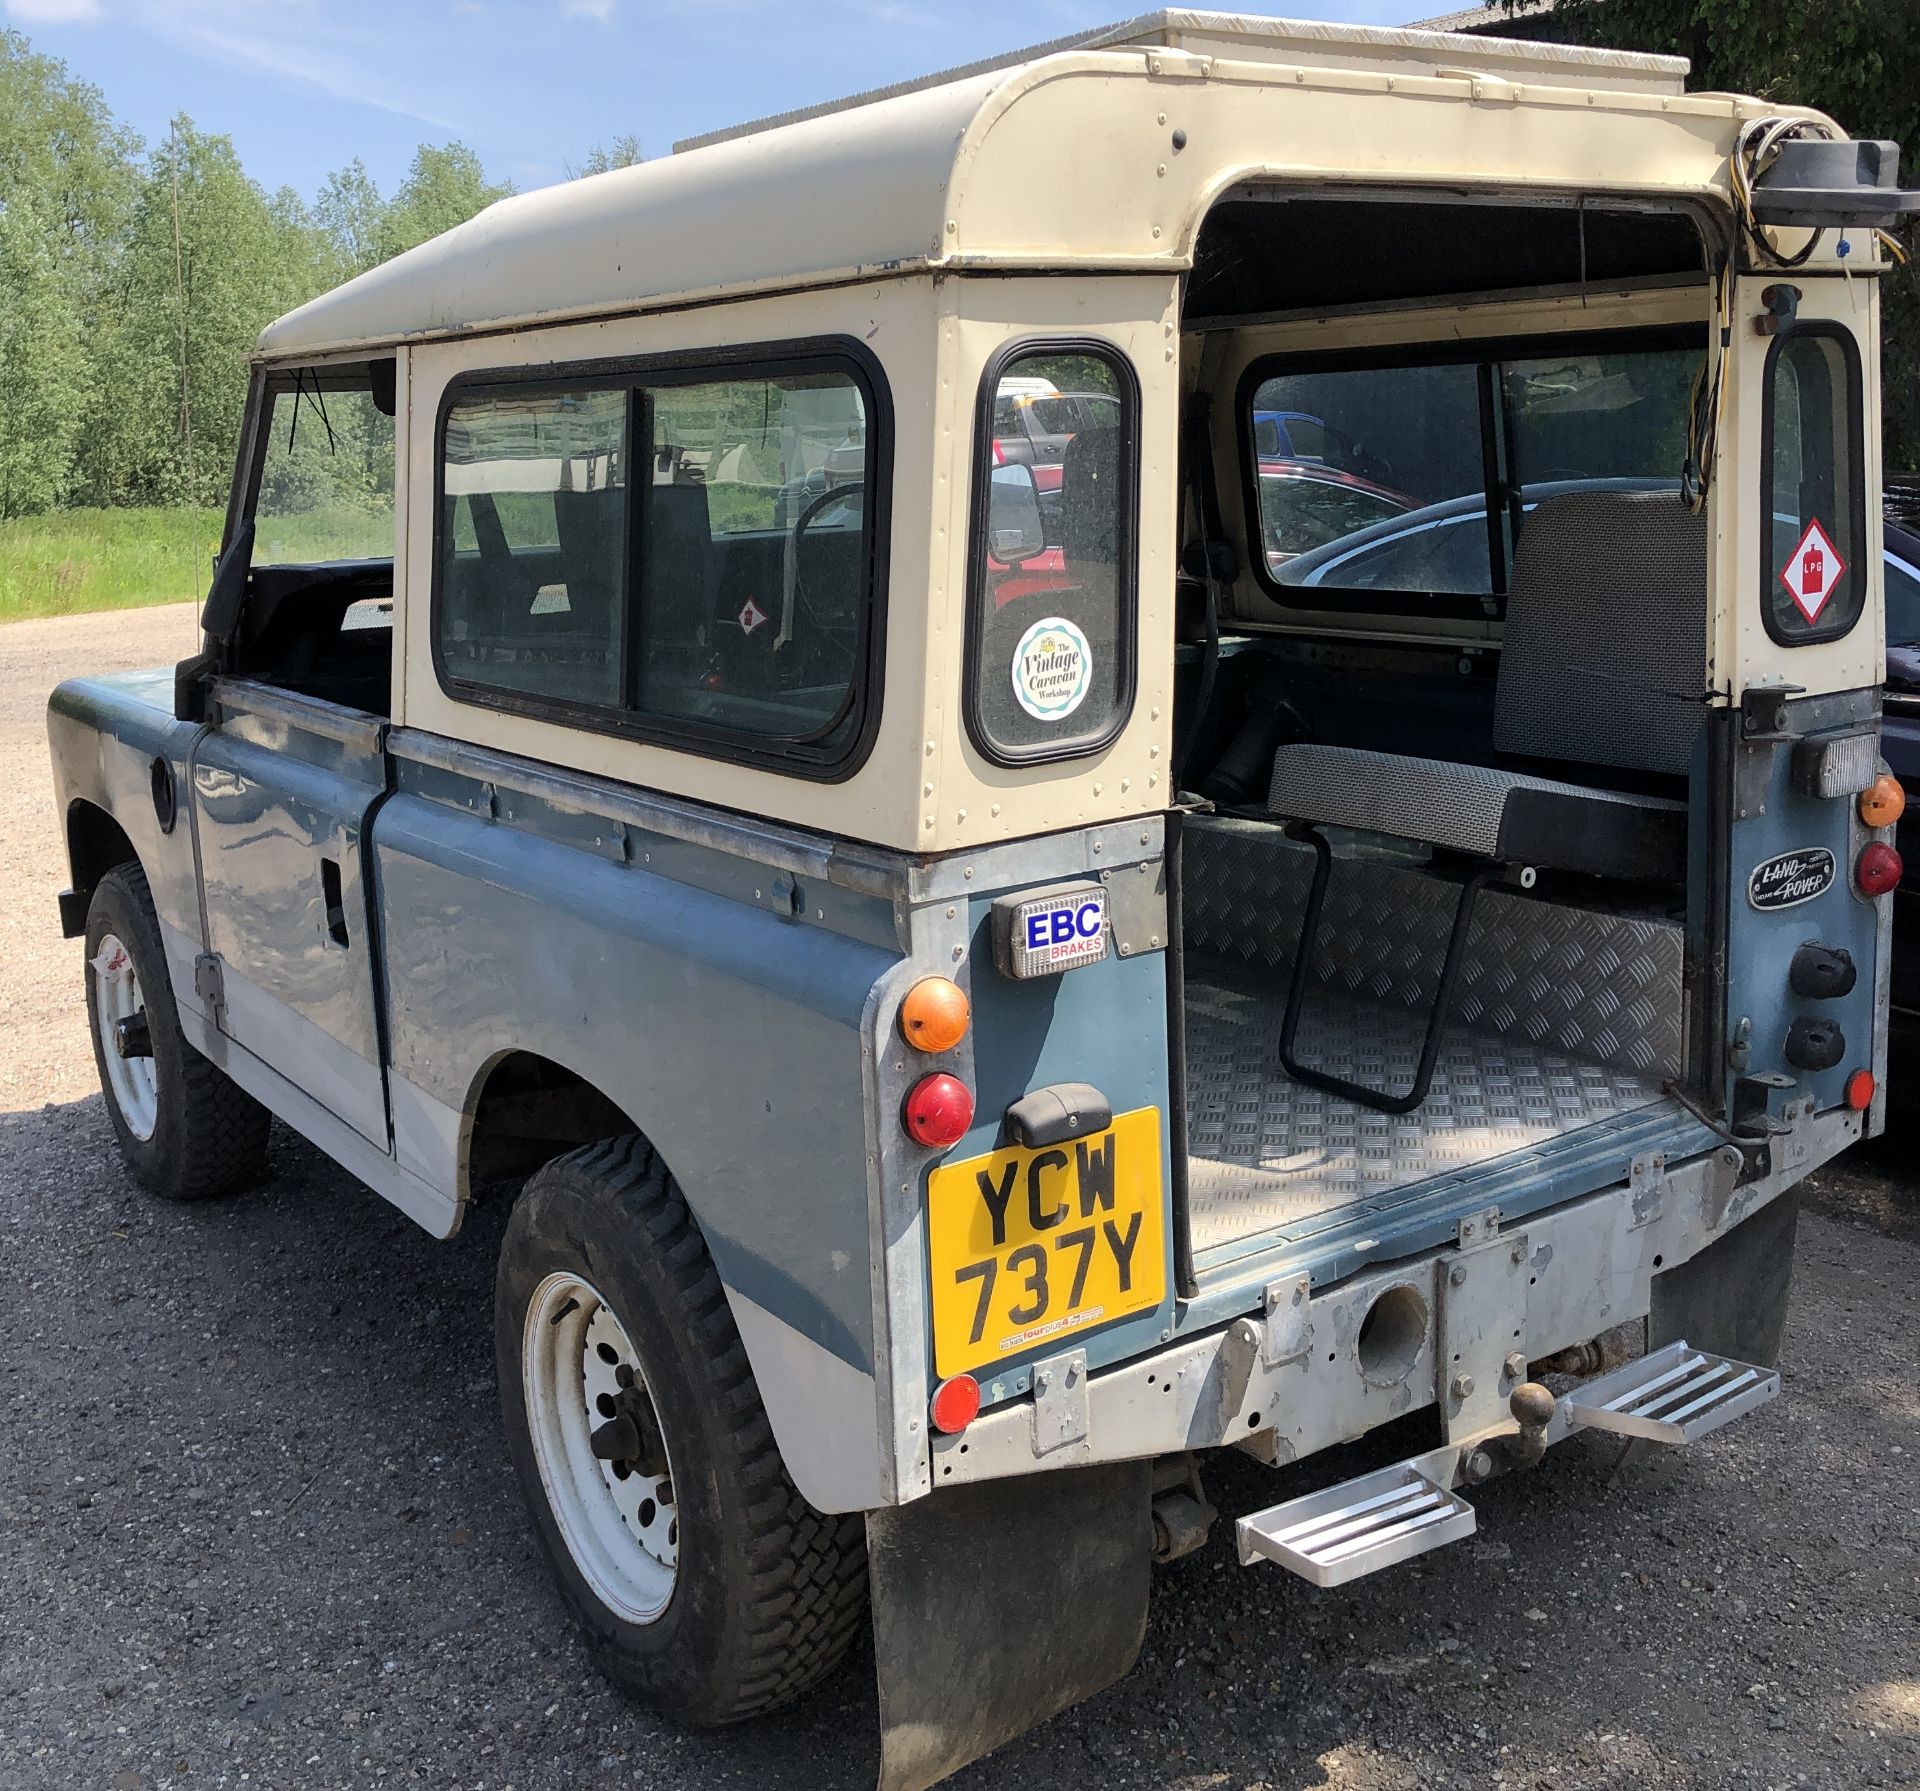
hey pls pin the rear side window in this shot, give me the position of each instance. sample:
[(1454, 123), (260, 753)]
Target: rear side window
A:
[(685, 554), (1815, 542), (1049, 663), (1403, 484)]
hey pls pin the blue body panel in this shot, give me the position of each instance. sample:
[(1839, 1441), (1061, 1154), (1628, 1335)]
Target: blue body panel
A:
[(1761, 944), (730, 1036), (1103, 1023)]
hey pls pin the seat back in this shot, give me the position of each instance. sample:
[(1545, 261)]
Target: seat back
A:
[(680, 580), (589, 525), (1605, 659), (1089, 471)]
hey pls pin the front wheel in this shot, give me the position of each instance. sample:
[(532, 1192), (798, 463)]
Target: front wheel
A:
[(186, 1129), (705, 1584)]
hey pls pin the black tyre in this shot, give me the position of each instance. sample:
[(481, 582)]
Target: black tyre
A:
[(187, 1131), (705, 1584)]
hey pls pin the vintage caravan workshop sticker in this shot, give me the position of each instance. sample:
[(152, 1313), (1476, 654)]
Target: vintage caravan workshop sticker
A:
[(1812, 572), (1052, 669), (1787, 880)]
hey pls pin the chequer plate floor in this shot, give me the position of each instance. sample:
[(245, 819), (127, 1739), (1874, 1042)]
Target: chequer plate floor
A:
[(1266, 1153)]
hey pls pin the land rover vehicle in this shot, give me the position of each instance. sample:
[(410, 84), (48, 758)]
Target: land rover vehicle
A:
[(971, 1054)]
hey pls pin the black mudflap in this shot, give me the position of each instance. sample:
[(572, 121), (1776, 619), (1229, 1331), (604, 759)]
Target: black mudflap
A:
[(997, 1606), (1731, 1299)]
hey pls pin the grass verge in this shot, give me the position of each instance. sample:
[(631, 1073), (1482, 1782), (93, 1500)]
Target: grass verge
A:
[(71, 561)]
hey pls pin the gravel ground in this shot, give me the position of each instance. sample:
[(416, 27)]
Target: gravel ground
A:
[(257, 1526)]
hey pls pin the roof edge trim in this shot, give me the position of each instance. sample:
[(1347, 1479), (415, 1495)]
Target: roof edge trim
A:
[(1162, 28)]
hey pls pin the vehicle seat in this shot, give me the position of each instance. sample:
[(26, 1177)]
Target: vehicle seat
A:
[(1604, 664)]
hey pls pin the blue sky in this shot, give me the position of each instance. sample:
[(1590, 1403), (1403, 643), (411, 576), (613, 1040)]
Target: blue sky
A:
[(303, 86)]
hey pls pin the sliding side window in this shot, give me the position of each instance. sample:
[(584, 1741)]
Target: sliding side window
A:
[(754, 555), (688, 555), (1815, 537), (534, 514)]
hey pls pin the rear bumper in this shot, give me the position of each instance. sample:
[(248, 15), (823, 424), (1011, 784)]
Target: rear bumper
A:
[(1309, 1372)]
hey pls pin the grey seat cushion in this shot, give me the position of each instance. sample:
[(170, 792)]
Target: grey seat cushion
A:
[(1481, 810)]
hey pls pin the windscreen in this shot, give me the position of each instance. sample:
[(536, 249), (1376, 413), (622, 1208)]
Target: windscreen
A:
[(326, 477)]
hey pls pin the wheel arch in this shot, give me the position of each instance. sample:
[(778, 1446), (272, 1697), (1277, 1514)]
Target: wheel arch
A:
[(96, 844), (527, 1108)]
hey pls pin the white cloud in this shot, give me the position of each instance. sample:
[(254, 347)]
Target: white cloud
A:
[(600, 11), (291, 39), (54, 12)]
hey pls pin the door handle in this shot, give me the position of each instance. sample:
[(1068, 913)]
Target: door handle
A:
[(336, 908)]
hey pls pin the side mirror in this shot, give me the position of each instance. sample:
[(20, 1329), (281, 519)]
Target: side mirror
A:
[(1015, 528)]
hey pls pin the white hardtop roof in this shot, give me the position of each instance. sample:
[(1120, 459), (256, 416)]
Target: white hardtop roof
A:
[(853, 190)]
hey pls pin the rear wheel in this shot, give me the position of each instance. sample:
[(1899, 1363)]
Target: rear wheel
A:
[(186, 1129), (705, 1584)]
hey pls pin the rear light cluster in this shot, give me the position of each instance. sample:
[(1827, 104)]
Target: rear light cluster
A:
[(939, 1107), (937, 1114), (1877, 870)]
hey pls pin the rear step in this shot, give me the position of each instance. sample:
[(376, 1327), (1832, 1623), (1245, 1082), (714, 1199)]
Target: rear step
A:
[(1676, 1395), (1358, 1527)]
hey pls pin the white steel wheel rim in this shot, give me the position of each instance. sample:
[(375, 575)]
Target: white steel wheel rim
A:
[(131, 1081), (619, 1524)]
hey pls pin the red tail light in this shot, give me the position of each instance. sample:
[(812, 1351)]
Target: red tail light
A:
[(1878, 869), (1860, 1090), (939, 1110)]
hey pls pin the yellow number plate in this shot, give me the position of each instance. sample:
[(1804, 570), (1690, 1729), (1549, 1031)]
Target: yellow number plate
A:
[(1029, 1245)]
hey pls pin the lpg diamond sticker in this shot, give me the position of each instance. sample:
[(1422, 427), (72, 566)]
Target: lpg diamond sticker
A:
[(751, 616), (1052, 669), (1813, 572)]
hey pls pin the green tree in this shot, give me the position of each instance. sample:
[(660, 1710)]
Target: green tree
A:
[(623, 152), (59, 142), (351, 216), (43, 362), (1857, 60), (445, 186), (66, 186), (209, 261)]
